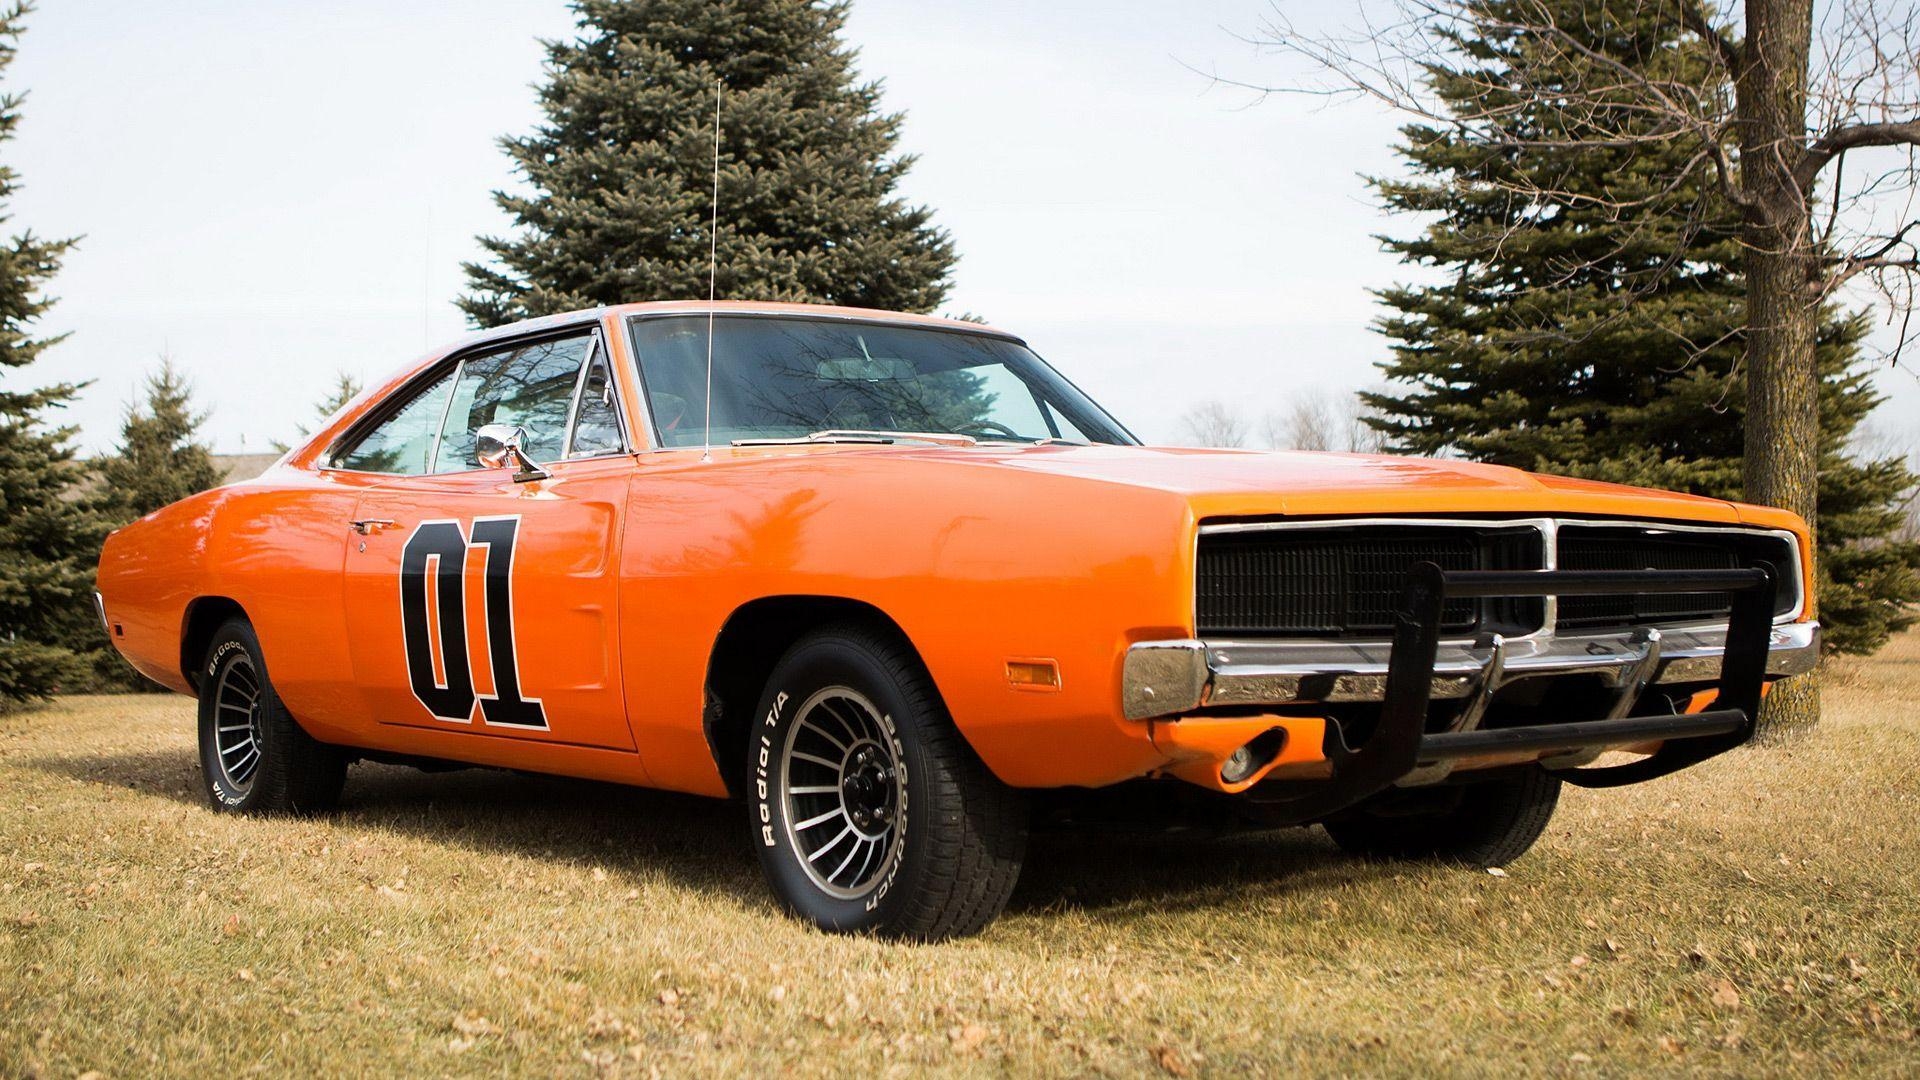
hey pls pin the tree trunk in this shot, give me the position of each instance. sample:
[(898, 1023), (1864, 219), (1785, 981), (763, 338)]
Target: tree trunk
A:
[(1782, 462)]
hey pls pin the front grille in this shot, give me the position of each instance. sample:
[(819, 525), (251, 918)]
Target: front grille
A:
[(1602, 547), (1348, 581)]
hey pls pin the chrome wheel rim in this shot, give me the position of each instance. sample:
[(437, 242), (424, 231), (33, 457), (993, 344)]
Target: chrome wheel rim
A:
[(236, 723), (843, 792)]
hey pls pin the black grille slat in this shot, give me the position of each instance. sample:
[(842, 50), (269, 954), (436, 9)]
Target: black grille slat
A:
[(1578, 553), (1596, 547), (1341, 582)]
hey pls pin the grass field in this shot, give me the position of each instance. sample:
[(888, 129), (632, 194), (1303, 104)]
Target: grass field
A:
[(1758, 915)]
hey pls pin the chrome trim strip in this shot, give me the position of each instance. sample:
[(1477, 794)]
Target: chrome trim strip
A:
[(1163, 678)]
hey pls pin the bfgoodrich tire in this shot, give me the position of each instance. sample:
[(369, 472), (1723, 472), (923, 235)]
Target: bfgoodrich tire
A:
[(870, 812), (254, 757), (1490, 823)]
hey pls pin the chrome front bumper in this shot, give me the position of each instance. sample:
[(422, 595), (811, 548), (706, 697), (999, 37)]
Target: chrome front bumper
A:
[(1165, 678)]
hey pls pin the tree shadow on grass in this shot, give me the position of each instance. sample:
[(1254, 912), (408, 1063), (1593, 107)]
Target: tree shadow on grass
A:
[(702, 844)]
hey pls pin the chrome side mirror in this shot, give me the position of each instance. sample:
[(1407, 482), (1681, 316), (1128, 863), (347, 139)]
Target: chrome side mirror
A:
[(497, 446)]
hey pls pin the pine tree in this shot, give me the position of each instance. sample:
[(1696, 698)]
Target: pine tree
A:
[(345, 389), (621, 171), (1600, 335), (49, 529), (158, 462)]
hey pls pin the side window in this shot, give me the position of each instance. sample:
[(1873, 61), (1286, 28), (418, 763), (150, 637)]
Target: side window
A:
[(530, 386), (403, 442), (596, 425)]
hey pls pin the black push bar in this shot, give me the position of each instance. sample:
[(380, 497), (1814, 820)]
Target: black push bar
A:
[(1400, 742)]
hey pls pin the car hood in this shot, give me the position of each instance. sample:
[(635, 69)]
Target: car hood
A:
[(1254, 483)]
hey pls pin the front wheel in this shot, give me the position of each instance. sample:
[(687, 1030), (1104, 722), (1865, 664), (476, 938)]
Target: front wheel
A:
[(254, 757), (1488, 823), (870, 812)]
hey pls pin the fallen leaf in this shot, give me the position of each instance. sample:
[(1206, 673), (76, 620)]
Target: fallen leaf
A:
[(243, 975), (603, 1024), (599, 874), (1725, 996), (967, 1037), (669, 997), (473, 1025), (1169, 1061)]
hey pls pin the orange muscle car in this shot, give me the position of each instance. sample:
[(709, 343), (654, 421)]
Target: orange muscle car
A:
[(904, 591)]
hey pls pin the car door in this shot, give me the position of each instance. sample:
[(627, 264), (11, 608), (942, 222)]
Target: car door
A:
[(484, 604)]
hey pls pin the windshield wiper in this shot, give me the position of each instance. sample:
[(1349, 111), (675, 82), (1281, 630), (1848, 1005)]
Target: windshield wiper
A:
[(841, 435)]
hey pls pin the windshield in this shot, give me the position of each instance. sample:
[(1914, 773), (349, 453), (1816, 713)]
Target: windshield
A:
[(787, 378)]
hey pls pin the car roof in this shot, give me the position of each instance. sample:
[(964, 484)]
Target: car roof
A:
[(722, 307)]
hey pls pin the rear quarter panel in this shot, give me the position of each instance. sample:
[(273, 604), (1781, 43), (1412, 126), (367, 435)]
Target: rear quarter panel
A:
[(273, 546)]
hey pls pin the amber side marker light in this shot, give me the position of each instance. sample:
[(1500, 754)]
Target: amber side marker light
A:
[(1033, 674)]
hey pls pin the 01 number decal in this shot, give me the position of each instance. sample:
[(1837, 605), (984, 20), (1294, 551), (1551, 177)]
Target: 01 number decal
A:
[(435, 559)]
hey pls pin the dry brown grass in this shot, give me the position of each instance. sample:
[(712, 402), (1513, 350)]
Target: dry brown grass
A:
[(1756, 915)]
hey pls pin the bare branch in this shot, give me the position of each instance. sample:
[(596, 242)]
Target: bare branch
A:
[(1695, 19), (1852, 137)]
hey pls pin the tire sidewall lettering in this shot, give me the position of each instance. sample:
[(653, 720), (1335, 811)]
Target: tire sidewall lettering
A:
[(763, 758), (216, 782), (225, 649)]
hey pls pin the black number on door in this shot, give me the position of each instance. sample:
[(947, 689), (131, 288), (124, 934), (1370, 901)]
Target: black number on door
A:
[(433, 605)]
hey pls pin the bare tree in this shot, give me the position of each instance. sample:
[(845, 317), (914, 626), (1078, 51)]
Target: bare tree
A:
[(1315, 419), (1871, 442), (1213, 423), (1792, 105)]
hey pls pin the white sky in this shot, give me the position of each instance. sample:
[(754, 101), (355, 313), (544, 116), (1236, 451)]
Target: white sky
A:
[(273, 191)]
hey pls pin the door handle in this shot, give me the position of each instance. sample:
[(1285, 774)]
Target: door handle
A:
[(367, 525)]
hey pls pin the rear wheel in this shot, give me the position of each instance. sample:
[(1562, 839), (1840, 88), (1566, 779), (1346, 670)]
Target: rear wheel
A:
[(870, 812), (254, 757), (1489, 823)]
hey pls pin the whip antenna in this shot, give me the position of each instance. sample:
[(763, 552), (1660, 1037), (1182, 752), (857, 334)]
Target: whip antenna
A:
[(713, 270)]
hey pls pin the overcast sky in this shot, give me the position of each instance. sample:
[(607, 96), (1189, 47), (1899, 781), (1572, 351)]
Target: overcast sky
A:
[(273, 191)]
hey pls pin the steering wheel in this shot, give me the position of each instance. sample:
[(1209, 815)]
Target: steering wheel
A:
[(991, 427)]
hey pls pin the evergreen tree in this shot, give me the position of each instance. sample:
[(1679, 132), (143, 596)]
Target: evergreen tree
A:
[(158, 461), (345, 389), (49, 530), (1599, 334), (621, 171)]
